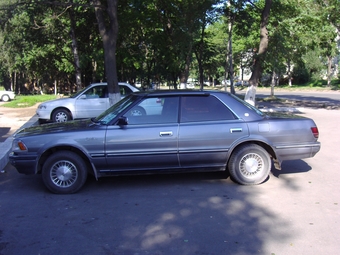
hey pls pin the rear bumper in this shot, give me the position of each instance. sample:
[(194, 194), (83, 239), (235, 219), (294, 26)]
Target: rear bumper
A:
[(23, 164), (298, 151)]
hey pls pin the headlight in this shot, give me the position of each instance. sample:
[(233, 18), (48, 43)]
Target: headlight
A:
[(18, 145), (42, 107)]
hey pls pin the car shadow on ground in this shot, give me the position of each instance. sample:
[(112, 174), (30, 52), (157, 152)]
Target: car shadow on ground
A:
[(292, 167), (157, 179)]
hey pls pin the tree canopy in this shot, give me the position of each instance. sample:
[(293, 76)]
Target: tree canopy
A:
[(59, 46)]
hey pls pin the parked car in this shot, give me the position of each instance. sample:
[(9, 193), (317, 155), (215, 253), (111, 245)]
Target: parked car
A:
[(87, 103), (6, 96), (186, 131)]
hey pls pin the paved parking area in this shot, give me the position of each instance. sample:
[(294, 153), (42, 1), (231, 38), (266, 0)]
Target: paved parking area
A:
[(295, 212)]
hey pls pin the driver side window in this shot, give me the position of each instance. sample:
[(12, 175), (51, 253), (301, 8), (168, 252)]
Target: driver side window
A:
[(154, 110)]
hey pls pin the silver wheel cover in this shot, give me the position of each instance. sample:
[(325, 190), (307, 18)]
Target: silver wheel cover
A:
[(136, 113), (64, 174), (61, 117), (251, 164)]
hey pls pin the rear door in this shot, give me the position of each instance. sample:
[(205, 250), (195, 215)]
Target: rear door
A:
[(207, 130)]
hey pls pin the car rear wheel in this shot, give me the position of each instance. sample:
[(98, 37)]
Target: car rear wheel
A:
[(61, 115), (249, 164), (64, 172), (5, 98)]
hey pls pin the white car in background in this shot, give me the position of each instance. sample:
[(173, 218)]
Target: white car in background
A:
[(87, 103), (6, 96)]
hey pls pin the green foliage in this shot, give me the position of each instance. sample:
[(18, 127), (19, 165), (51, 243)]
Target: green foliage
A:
[(157, 38), (27, 101)]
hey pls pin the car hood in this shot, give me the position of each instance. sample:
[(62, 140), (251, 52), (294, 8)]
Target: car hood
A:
[(69, 126), (59, 101)]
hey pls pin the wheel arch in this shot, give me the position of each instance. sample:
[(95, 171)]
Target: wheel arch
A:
[(263, 144), (61, 108), (82, 154)]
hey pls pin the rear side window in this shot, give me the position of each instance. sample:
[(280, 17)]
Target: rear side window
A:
[(124, 90), (203, 108)]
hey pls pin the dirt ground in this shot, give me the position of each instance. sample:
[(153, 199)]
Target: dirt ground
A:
[(11, 119), (276, 103)]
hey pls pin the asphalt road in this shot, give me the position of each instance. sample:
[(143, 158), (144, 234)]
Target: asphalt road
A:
[(295, 212), (333, 97)]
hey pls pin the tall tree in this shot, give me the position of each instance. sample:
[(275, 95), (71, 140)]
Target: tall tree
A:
[(108, 29), (260, 54)]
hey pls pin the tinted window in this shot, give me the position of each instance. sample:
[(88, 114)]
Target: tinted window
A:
[(154, 110), (204, 108)]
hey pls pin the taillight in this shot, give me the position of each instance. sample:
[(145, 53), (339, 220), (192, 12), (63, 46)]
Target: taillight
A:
[(315, 132)]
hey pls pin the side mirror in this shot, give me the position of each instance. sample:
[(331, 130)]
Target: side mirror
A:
[(82, 97), (122, 121)]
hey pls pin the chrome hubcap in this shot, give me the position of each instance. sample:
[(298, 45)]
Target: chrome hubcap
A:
[(136, 113), (61, 117), (251, 164), (64, 174)]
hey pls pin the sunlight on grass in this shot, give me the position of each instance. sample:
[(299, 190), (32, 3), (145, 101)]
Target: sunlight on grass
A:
[(27, 101)]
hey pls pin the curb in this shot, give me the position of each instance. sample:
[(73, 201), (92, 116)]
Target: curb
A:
[(6, 146)]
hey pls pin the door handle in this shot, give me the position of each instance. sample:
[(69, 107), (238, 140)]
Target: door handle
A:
[(168, 133), (235, 130)]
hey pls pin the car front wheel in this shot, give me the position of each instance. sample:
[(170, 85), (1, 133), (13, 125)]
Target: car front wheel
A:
[(249, 164), (5, 98), (61, 115), (64, 172)]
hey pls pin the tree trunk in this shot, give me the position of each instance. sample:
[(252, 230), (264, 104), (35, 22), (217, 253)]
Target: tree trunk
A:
[(109, 36), (273, 83), (185, 73), (329, 71), (75, 48), (289, 74), (200, 69), (230, 58), (260, 56)]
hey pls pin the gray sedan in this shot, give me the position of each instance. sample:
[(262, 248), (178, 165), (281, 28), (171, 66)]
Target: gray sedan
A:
[(175, 131)]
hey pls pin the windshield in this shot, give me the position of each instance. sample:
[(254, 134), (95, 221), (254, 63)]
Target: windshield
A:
[(114, 110), (78, 93), (253, 108)]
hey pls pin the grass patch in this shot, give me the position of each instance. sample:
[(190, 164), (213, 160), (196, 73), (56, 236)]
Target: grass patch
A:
[(27, 101)]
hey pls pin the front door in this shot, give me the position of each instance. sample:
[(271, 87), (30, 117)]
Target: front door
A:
[(149, 140), (92, 102)]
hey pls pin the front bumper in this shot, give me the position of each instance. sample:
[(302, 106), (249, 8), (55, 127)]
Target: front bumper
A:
[(25, 164), (43, 114)]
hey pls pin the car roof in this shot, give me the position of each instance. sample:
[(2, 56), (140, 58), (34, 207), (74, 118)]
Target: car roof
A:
[(186, 92)]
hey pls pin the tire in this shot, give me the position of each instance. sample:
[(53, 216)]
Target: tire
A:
[(137, 111), (249, 164), (61, 115), (5, 98), (64, 172)]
